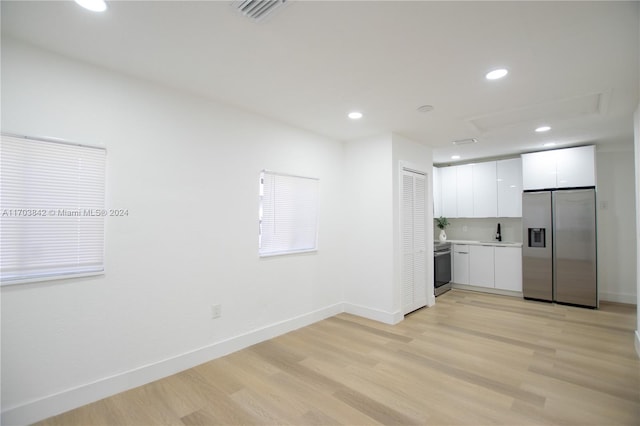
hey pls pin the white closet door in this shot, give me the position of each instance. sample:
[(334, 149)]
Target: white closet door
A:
[(414, 261)]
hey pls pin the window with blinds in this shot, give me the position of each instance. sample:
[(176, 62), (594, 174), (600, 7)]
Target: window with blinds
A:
[(288, 214), (52, 210)]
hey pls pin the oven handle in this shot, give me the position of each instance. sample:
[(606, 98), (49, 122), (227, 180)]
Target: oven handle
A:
[(441, 253)]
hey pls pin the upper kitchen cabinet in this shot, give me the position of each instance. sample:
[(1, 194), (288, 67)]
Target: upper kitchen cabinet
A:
[(464, 190), (560, 168), (576, 167), (509, 179), (539, 170), (437, 200), (448, 191), (485, 193), (487, 189)]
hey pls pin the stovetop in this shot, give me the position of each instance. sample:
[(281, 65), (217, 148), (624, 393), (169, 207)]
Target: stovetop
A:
[(441, 245)]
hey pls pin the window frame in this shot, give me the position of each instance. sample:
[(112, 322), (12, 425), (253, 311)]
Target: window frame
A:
[(312, 184), (90, 232)]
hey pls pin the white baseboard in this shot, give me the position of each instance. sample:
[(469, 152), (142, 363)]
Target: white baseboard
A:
[(373, 314), (69, 399), (487, 290), (630, 299), (637, 343), (431, 300)]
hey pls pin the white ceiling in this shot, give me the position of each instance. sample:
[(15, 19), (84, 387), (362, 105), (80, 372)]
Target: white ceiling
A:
[(573, 65)]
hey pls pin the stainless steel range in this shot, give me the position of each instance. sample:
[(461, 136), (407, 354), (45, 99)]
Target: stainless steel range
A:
[(441, 267)]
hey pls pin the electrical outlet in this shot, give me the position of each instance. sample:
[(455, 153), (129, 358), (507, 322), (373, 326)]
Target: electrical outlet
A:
[(216, 311)]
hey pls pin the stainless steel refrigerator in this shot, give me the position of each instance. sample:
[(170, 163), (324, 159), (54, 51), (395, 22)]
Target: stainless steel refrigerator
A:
[(559, 258)]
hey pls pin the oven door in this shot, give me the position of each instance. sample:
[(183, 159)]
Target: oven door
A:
[(442, 268)]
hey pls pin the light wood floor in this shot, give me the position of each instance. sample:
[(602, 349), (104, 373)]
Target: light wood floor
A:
[(473, 359)]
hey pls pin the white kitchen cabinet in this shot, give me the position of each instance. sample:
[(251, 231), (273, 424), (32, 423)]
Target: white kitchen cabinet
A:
[(481, 266), (448, 191), (494, 188), (464, 190), (539, 170), (437, 199), (509, 187), (485, 190), (461, 263), (508, 268), (576, 167), (560, 168)]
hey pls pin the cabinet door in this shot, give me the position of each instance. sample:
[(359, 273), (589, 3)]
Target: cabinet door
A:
[(414, 261), (448, 197), (508, 268), (485, 190), (460, 264), (509, 179), (464, 187), (539, 170), (437, 200), (576, 167), (481, 267)]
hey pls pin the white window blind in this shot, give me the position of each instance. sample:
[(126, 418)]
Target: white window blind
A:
[(51, 209), (288, 214)]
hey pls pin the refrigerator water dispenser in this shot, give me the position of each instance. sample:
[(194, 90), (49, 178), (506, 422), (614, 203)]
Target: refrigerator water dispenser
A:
[(537, 237)]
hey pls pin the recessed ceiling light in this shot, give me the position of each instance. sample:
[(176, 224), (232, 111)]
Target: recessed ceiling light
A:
[(355, 115), (455, 157), (549, 144), (93, 5), (496, 74), (543, 129)]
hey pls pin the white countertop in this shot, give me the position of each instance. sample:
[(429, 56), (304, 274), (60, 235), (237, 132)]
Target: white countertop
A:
[(487, 243)]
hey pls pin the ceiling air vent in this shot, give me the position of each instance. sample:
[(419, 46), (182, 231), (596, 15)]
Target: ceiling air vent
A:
[(465, 141), (257, 10)]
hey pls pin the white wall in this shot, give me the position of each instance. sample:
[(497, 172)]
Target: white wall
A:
[(187, 170), (373, 286), (616, 223), (369, 242)]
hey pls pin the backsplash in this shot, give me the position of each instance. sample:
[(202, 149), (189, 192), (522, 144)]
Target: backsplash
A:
[(482, 229)]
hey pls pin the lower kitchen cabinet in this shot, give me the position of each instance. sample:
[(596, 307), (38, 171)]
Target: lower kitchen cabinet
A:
[(508, 268), (481, 266), (488, 266), (461, 263)]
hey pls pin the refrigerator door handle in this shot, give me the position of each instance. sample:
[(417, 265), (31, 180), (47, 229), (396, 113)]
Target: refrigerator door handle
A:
[(553, 244)]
